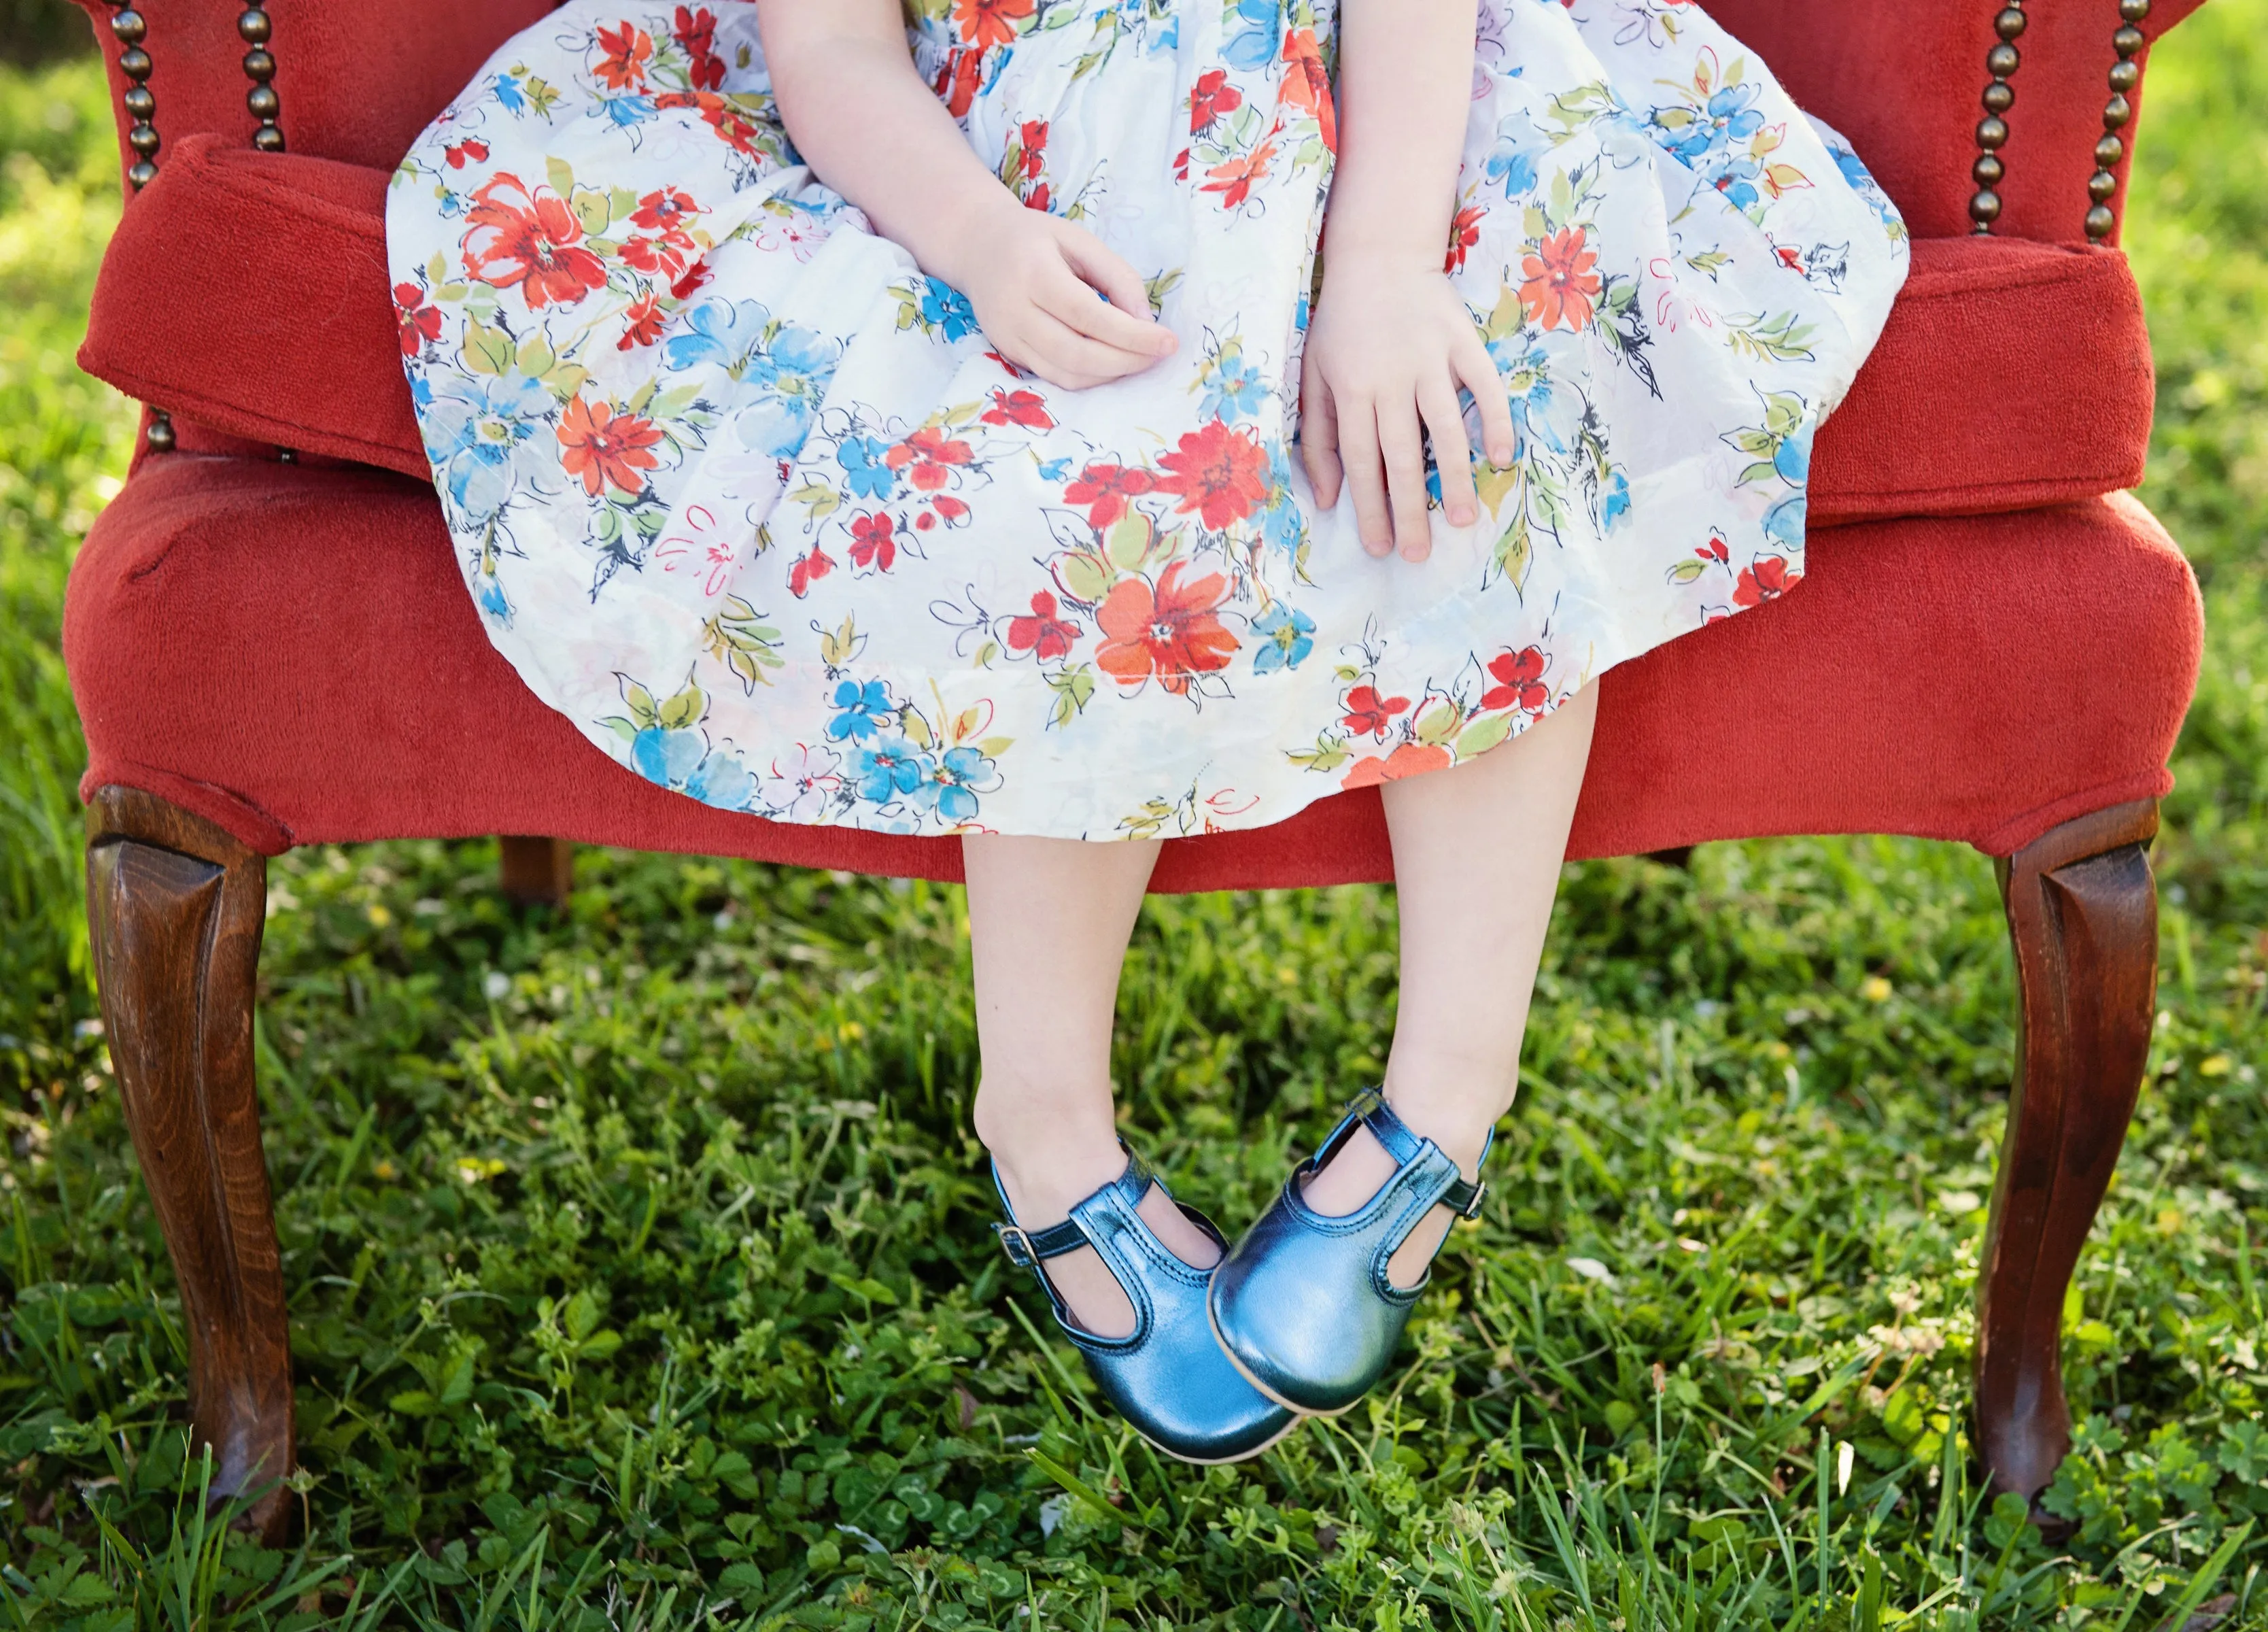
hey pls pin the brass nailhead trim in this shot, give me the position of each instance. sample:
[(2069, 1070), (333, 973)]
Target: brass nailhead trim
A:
[(130, 29), (2001, 62), (2126, 79), (254, 27)]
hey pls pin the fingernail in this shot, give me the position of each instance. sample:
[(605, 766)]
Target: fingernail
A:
[(1461, 517), (1500, 456)]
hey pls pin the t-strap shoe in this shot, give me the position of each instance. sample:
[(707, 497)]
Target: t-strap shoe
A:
[(1303, 1303), (1168, 1377)]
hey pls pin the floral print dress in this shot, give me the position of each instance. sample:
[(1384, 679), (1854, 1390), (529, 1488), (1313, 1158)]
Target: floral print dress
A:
[(749, 499)]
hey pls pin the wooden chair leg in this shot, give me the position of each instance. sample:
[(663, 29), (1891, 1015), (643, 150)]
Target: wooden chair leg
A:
[(2083, 912), (175, 906), (537, 870)]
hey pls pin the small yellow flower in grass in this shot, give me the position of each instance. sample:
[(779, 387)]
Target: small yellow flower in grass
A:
[(2215, 1064), (379, 917), (1874, 989), (472, 1169), (850, 1031), (385, 1172)]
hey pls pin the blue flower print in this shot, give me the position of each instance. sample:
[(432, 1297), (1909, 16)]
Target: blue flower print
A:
[(1261, 29), (726, 333), (626, 111), (1511, 165), (1286, 636), (1784, 522), (1793, 460), (680, 759), (1615, 511), (1236, 389), (478, 433), (1728, 117), (488, 595), (508, 94), (946, 308), (865, 710), (891, 769), (865, 471), (794, 371), (960, 776)]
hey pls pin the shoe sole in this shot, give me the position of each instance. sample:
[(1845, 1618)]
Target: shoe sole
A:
[(1260, 1449), (1270, 1394)]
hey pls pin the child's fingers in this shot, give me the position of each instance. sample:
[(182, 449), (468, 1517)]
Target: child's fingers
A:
[(1404, 446), (1109, 272), (1366, 477), (1073, 303), (1319, 437), (1477, 371), (1445, 423), (1062, 357)]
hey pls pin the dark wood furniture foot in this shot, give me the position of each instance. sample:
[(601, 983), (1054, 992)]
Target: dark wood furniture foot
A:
[(175, 907), (2083, 912), (537, 870)]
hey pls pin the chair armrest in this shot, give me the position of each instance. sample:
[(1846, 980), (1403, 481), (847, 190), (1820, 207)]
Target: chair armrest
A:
[(1904, 81)]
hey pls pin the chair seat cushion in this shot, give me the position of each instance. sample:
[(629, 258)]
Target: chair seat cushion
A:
[(289, 651), (247, 293)]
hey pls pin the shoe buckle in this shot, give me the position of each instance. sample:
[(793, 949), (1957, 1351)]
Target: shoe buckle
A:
[(1472, 1208), (1017, 1244)]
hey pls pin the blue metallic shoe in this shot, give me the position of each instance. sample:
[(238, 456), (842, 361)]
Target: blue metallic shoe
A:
[(1168, 1378), (1302, 1304)]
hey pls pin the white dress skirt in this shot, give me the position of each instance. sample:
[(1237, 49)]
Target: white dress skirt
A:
[(749, 499)]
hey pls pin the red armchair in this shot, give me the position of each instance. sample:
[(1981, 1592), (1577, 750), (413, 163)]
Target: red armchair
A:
[(1979, 467)]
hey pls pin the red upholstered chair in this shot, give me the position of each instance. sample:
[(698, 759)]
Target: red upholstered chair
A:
[(271, 645)]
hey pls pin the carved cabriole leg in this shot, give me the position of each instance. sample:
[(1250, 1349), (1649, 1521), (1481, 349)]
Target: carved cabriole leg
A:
[(175, 907), (536, 870), (2083, 913)]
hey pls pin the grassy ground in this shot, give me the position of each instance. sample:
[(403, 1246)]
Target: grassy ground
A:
[(638, 1256)]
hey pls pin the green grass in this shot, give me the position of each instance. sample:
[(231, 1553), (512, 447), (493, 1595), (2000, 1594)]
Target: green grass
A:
[(637, 1254)]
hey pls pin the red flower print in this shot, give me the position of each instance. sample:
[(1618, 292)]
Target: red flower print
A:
[(696, 277), (1212, 97), (421, 324), (1035, 141), (1308, 83), (988, 23), (1409, 759), (1028, 409), (1102, 491), (605, 449), (1043, 633), (959, 81), (645, 320), (808, 571), (665, 212), (1560, 284), (1519, 677), (531, 241), (1040, 198), (1181, 165), (1464, 232), (1715, 551), (1170, 632), (472, 150), (932, 455), (874, 542), (628, 48), (1221, 474), (1235, 179), (1768, 580), (695, 31), (1368, 714)]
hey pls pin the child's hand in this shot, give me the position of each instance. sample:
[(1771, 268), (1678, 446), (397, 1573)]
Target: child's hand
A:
[(1390, 343), (1034, 280)]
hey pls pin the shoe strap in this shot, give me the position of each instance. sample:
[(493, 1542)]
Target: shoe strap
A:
[(1029, 1249), (1462, 1196)]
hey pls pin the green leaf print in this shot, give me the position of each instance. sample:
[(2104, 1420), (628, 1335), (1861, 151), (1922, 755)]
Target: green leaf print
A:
[(1782, 339), (1483, 735), (487, 350), (1073, 688)]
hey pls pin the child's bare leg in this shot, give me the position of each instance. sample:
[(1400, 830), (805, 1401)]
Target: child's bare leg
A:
[(1049, 920), (1476, 857)]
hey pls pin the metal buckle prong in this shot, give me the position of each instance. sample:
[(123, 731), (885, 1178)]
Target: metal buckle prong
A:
[(1473, 1207)]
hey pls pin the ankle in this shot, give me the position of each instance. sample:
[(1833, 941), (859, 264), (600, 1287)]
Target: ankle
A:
[(1458, 1120), (1048, 1163)]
